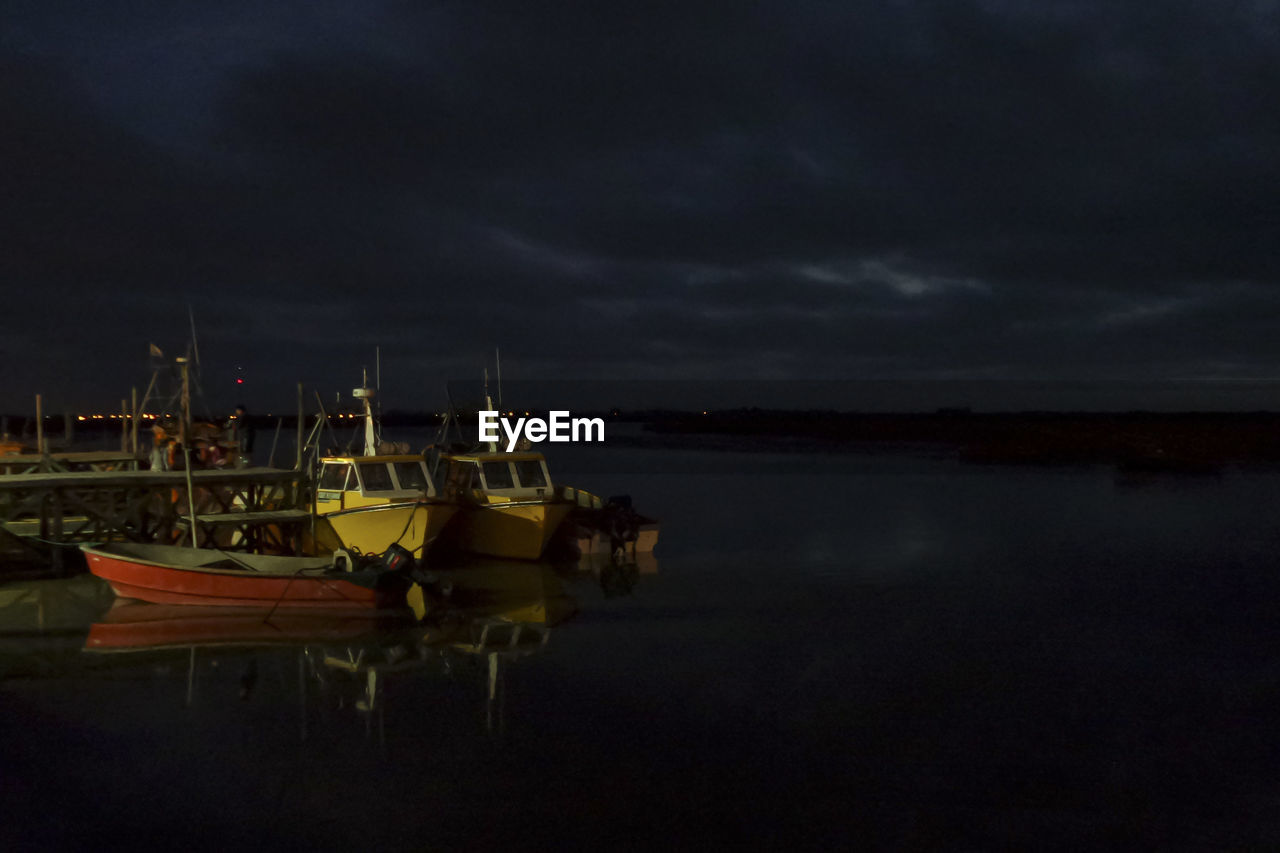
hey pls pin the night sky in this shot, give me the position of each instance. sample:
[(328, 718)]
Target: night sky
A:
[(620, 190)]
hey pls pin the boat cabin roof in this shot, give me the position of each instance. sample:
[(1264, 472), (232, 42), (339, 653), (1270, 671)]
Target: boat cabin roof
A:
[(397, 475), (388, 457), (496, 477)]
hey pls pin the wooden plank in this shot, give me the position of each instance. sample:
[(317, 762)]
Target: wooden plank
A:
[(145, 506), (167, 479), (279, 516), (79, 457)]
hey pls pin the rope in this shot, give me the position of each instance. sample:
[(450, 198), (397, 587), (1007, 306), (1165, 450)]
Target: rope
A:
[(285, 591), (407, 525), (51, 542)]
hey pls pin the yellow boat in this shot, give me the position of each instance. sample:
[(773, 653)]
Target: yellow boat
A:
[(508, 505), (373, 501)]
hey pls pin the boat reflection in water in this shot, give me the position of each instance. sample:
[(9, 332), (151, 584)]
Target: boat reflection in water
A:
[(472, 623), (616, 576)]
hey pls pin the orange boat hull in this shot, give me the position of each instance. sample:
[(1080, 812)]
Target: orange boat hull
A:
[(171, 585)]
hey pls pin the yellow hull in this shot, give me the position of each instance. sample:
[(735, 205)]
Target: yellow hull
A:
[(513, 531), (373, 529)]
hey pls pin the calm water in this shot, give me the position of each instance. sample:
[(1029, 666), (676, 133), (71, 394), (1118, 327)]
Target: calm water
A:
[(894, 651)]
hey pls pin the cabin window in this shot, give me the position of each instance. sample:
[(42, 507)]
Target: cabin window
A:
[(498, 475), (529, 473), (376, 477), (411, 476), (334, 477), (463, 475)]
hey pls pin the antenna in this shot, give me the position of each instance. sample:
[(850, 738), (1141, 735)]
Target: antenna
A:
[(488, 404), (497, 357), (195, 345)]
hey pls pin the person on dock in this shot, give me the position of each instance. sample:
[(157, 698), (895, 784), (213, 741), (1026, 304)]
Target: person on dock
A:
[(159, 447), (240, 433)]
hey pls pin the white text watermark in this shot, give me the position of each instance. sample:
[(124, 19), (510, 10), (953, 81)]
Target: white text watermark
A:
[(558, 427)]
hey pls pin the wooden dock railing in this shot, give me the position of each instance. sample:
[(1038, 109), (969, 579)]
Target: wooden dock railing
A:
[(249, 508)]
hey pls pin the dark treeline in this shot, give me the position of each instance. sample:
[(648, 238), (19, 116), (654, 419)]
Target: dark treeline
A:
[(1124, 438), (1187, 439)]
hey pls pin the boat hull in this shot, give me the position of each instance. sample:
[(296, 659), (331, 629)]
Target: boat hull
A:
[(374, 529), (161, 576), (512, 531)]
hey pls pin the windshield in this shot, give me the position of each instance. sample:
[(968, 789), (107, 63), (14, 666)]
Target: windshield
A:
[(333, 476)]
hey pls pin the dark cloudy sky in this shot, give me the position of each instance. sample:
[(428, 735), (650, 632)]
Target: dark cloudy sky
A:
[(954, 188)]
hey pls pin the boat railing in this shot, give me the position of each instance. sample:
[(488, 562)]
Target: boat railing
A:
[(581, 497)]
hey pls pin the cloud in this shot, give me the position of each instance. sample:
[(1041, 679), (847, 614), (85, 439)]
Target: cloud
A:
[(911, 188)]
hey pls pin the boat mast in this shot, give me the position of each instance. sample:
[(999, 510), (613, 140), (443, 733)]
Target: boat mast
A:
[(497, 360), (184, 426), (365, 393), (488, 404), (184, 430), (195, 344)]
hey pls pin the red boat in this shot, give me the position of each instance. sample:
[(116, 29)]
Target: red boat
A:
[(169, 574)]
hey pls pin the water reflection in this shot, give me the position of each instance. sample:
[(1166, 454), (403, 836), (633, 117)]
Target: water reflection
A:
[(42, 623), (468, 626), (615, 577), (356, 676)]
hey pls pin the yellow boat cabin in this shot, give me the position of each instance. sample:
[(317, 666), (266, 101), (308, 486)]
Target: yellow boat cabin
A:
[(509, 506), (350, 482), (496, 477), (371, 502)]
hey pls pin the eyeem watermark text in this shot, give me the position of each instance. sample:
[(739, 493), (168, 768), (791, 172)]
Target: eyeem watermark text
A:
[(558, 427)]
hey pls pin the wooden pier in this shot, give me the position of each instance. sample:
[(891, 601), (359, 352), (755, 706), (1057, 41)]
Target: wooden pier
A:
[(47, 463), (251, 509)]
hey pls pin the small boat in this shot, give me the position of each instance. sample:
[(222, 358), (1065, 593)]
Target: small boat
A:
[(375, 500), (171, 574), (605, 527), (509, 508)]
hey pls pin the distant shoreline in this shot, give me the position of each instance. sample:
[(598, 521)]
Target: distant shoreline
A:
[(1188, 441), (1139, 440)]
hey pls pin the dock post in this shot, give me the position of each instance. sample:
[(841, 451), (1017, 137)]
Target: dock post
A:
[(133, 424), (275, 439), (301, 424), (39, 426), (58, 512), (124, 426)]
